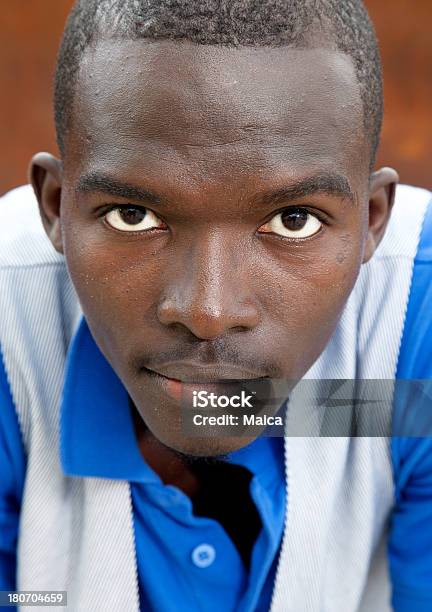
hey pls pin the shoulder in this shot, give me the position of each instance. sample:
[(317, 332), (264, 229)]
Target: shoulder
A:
[(406, 223), (412, 444), (39, 307), (23, 241), (415, 356)]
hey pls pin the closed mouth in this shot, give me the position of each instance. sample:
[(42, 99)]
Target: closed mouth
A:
[(192, 373)]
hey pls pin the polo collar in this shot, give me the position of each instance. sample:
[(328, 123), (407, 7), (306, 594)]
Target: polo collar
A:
[(97, 436)]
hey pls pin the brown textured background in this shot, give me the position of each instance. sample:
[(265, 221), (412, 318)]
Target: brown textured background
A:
[(29, 36)]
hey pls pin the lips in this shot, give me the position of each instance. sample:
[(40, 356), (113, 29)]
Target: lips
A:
[(180, 380), (192, 372)]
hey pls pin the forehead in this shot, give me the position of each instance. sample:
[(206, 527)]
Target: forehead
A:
[(197, 107)]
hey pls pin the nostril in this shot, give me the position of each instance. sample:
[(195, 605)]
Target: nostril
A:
[(208, 308), (207, 323)]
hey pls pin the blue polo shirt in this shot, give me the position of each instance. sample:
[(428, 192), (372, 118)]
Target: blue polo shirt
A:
[(180, 557)]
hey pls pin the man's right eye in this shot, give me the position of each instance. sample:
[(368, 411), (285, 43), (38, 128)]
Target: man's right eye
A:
[(133, 219)]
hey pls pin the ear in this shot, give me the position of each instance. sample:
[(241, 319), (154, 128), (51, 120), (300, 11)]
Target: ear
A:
[(381, 197), (45, 174)]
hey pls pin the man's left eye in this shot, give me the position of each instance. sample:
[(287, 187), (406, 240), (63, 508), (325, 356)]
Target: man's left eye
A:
[(133, 219), (293, 223)]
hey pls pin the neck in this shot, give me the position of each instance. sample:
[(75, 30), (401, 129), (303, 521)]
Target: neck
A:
[(168, 464)]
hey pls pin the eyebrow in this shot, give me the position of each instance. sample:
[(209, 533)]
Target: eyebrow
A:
[(324, 183), (99, 182)]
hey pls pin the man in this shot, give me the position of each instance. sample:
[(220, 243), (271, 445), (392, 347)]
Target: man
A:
[(216, 220)]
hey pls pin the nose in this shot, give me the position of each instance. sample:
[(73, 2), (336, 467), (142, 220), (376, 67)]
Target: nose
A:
[(208, 292)]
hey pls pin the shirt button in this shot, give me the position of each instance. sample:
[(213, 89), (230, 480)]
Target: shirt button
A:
[(203, 555)]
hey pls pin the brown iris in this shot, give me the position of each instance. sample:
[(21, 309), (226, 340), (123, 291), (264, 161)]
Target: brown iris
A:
[(294, 220), (132, 216)]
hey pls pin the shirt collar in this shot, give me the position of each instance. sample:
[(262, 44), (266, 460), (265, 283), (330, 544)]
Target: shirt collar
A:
[(97, 437)]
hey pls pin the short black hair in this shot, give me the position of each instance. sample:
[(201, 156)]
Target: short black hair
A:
[(235, 23)]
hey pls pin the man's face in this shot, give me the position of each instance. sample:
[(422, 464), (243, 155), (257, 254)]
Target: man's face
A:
[(213, 214)]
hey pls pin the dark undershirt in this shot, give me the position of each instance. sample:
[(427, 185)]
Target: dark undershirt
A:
[(224, 496)]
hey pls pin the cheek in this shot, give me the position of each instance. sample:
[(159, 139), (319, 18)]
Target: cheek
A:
[(118, 288), (309, 296)]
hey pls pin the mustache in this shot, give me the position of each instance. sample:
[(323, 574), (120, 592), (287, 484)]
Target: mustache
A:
[(208, 354)]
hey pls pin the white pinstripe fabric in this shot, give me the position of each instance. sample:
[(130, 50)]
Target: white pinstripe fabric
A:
[(77, 533)]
